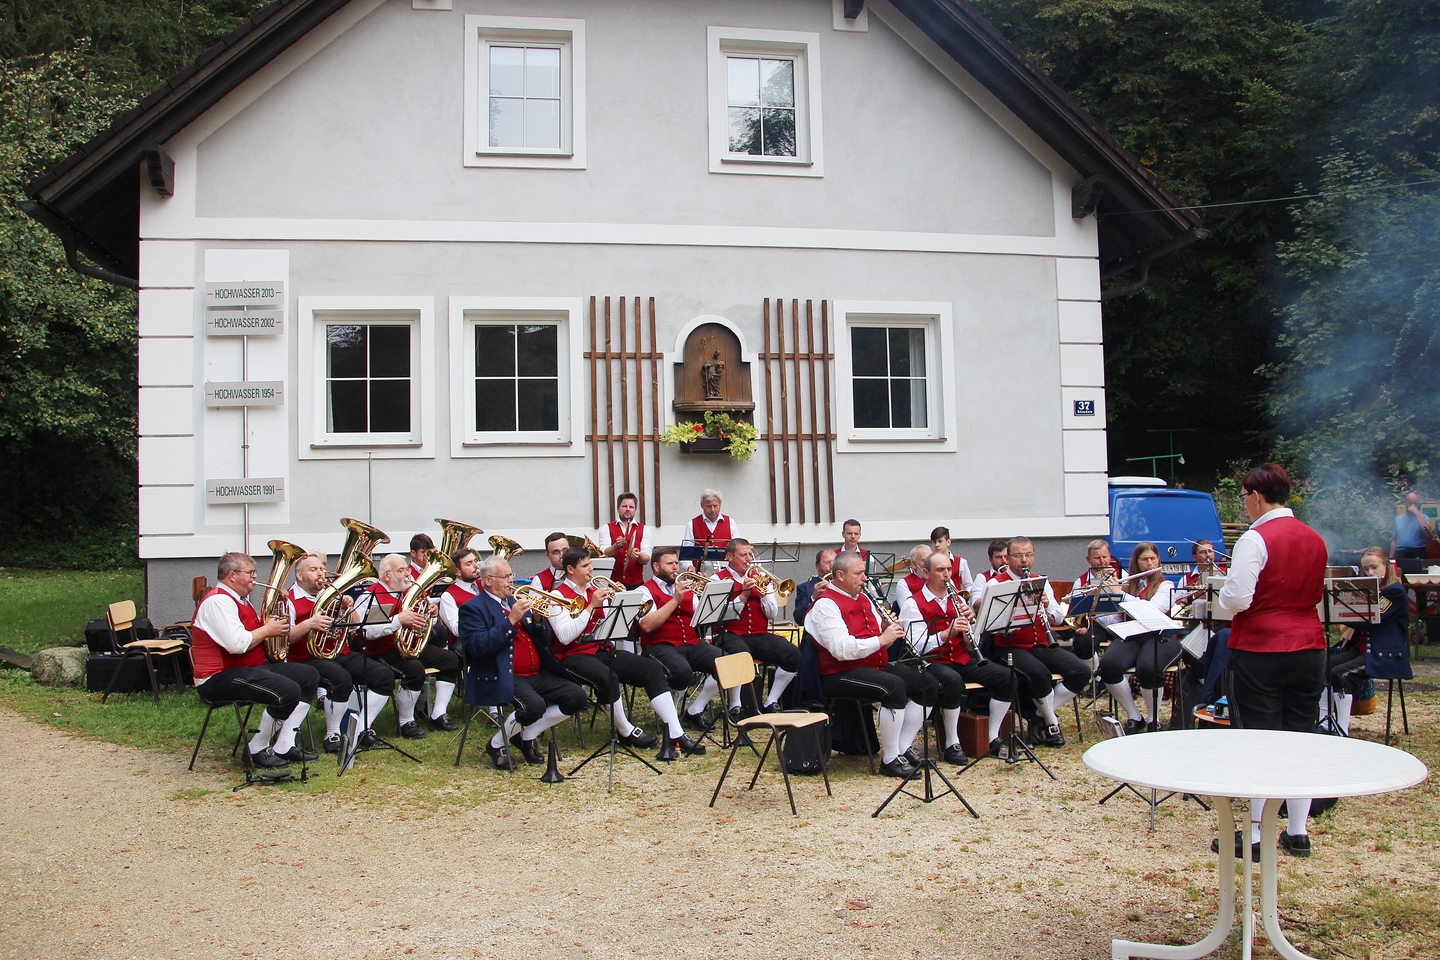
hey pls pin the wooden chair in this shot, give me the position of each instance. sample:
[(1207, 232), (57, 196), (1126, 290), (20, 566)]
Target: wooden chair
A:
[(780, 725), (120, 617), (731, 671)]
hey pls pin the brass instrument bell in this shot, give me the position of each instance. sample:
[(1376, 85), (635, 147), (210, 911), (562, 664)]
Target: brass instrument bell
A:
[(455, 536), (504, 548), (272, 607), (549, 604), (585, 543)]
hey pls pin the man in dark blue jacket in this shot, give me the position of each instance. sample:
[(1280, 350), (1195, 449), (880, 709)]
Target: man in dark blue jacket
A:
[(503, 665), (805, 593)]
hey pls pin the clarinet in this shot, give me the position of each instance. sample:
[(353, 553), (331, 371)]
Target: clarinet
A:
[(1043, 617), (971, 647)]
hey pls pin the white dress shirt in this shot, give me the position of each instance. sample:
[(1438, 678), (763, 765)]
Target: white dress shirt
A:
[(1246, 561), (917, 628), (603, 540), (825, 624), (769, 602), (220, 619), (450, 609), (568, 629)]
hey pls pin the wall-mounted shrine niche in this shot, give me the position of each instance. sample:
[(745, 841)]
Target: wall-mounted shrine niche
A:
[(712, 377)]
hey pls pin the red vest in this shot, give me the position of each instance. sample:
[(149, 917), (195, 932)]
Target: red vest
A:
[(525, 659), (700, 533), (304, 607), (1281, 617), (915, 582), (459, 594), (210, 657), (1021, 638), (864, 554), (676, 629), (388, 603), (580, 644), (752, 619), (938, 616), (546, 579), (630, 572), (861, 622)]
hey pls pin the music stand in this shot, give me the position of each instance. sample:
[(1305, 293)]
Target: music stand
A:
[(697, 554), (1348, 602), (1009, 604), (373, 615), (776, 552), (919, 655), (621, 614), (712, 610)]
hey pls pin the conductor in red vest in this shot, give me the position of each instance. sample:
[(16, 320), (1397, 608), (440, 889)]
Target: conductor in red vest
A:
[(1276, 669), (227, 640), (627, 541)]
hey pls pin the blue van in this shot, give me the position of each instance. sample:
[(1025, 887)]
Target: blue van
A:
[(1143, 508)]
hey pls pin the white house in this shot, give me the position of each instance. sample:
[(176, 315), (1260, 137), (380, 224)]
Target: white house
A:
[(472, 242)]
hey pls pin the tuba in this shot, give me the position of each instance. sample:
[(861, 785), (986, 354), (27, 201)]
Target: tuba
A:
[(353, 570), (455, 536), (504, 548), (438, 569), (285, 555)]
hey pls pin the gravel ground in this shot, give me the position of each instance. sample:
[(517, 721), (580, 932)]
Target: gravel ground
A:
[(115, 852)]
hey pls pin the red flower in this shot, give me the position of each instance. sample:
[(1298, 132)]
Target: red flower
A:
[(699, 427)]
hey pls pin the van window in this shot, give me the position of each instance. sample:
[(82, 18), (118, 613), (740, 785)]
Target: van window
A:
[(1161, 517)]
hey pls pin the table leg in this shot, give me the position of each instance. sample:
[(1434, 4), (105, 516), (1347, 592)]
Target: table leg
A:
[(1124, 949), (1247, 919), (1269, 882)]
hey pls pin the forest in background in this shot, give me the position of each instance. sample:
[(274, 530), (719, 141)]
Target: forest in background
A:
[(1303, 330)]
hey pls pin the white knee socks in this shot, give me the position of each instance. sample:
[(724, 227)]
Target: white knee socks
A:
[(623, 726), (551, 717), (1121, 692), (266, 733), (890, 724), (998, 709), (1298, 812), (777, 689), (1046, 706), (1344, 703), (1151, 714), (910, 724), (1063, 695), (708, 689), (285, 739), (508, 728), (334, 712), (444, 690), (950, 720), (405, 701), (664, 707), (374, 703)]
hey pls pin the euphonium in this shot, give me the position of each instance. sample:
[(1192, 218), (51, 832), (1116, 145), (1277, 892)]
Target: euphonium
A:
[(455, 536), (272, 607), (438, 569), (768, 584), (549, 604), (353, 569), (586, 544), (504, 548)]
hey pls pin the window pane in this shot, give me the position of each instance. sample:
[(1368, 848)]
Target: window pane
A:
[(777, 83), (872, 403), (539, 405), (778, 126), (900, 404), (537, 350), (907, 352), (346, 412), (542, 123), (919, 404), (745, 130), (494, 405), (507, 123), (507, 76), (389, 351), (542, 72), (390, 406), (494, 351), (345, 347), (744, 81), (867, 347)]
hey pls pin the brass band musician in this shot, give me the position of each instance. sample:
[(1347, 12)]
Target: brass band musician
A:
[(380, 643), (627, 541)]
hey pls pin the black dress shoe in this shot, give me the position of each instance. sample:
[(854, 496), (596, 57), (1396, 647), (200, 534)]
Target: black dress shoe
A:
[(913, 757), (899, 767), (366, 740), (412, 731), (689, 747), (443, 722), (997, 748), (497, 756), (696, 722), (1133, 727), (736, 714), (1240, 847), (296, 755), (639, 739), (528, 749), (1153, 726), (331, 744), (1051, 736), (268, 759), (772, 708), (1296, 846), (956, 754)]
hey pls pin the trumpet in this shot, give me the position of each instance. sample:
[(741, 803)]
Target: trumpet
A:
[(286, 555), (586, 544), (551, 604), (605, 583), (767, 584)]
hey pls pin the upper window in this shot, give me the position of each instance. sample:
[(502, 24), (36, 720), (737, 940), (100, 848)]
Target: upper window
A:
[(765, 102), (364, 369), (895, 371), (514, 361), (524, 92)]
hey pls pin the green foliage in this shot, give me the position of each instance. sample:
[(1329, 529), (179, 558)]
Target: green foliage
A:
[(48, 608), (739, 435)]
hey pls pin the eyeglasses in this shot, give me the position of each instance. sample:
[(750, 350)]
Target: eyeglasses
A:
[(501, 576)]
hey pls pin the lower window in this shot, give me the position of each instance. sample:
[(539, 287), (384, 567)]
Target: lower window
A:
[(889, 377), (367, 378), (517, 378)]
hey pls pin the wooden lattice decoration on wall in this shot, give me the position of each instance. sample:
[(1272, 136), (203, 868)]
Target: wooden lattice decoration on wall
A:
[(620, 369), (797, 412)]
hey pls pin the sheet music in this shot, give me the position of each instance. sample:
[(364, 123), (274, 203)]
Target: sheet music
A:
[(621, 612), (1145, 618), (713, 606), (1196, 642)]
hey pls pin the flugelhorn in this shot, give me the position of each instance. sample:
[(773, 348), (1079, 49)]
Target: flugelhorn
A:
[(504, 548), (354, 569), (767, 583), (695, 581), (550, 604), (439, 568), (586, 544), (285, 555), (455, 536)]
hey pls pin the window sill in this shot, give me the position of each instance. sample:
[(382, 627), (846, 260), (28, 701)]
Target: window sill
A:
[(755, 158), (522, 153), (483, 444), (365, 443)]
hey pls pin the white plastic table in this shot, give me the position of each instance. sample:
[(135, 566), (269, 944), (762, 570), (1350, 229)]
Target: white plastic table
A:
[(1268, 764)]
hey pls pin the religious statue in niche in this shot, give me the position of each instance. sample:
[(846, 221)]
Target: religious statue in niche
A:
[(713, 402), (710, 373)]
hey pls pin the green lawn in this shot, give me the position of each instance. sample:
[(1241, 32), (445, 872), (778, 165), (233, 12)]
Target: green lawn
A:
[(48, 608)]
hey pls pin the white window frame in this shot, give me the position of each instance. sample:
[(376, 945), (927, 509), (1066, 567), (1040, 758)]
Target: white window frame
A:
[(804, 49), (569, 35), (937, 319), (316, 443), (465, 314)]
